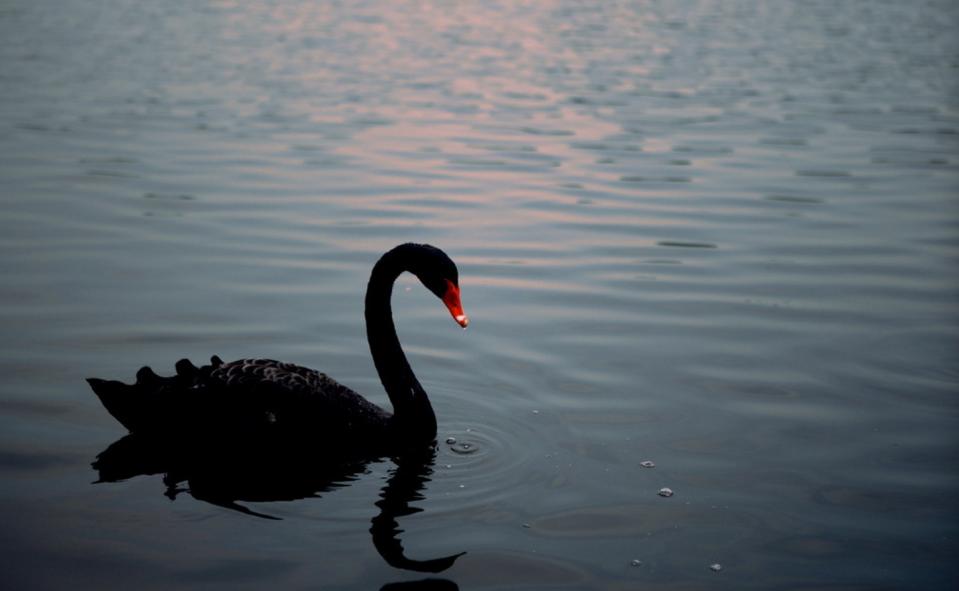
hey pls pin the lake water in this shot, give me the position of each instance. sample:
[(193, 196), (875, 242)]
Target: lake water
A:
[(719, 236)]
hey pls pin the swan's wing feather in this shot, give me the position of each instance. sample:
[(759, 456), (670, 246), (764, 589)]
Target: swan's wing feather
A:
[(293, 395), (278, 376)]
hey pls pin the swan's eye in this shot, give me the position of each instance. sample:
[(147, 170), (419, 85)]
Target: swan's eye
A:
[(451, 297)]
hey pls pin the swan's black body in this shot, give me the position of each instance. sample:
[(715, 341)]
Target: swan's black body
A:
[(263, 399)]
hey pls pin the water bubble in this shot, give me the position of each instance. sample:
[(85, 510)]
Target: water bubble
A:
[(665, 492), (535, 412), (635, 562), (715, 567), (451, 440), (648, 464), (463, 448)]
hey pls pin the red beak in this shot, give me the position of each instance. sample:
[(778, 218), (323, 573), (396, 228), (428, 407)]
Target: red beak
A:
[(452, 300)]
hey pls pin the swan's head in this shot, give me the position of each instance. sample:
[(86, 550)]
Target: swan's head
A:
[(438, 273)]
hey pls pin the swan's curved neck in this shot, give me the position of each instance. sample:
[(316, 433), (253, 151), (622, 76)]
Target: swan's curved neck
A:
[(411, 407)]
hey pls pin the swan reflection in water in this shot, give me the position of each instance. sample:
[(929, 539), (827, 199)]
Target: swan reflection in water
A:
[(230, 477)]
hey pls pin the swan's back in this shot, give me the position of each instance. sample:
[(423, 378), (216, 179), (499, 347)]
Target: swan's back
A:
[(247, 397)]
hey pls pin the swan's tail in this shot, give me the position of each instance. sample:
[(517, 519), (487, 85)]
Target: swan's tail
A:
[(119, 399), (141, 406)]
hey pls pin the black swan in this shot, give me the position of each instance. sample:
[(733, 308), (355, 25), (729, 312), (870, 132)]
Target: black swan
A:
[(256, 399)]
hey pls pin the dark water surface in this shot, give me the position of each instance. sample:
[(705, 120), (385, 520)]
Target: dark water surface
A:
[(720, 236)]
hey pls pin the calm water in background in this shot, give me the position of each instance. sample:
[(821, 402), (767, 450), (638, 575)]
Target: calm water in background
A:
[(721, 236)]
